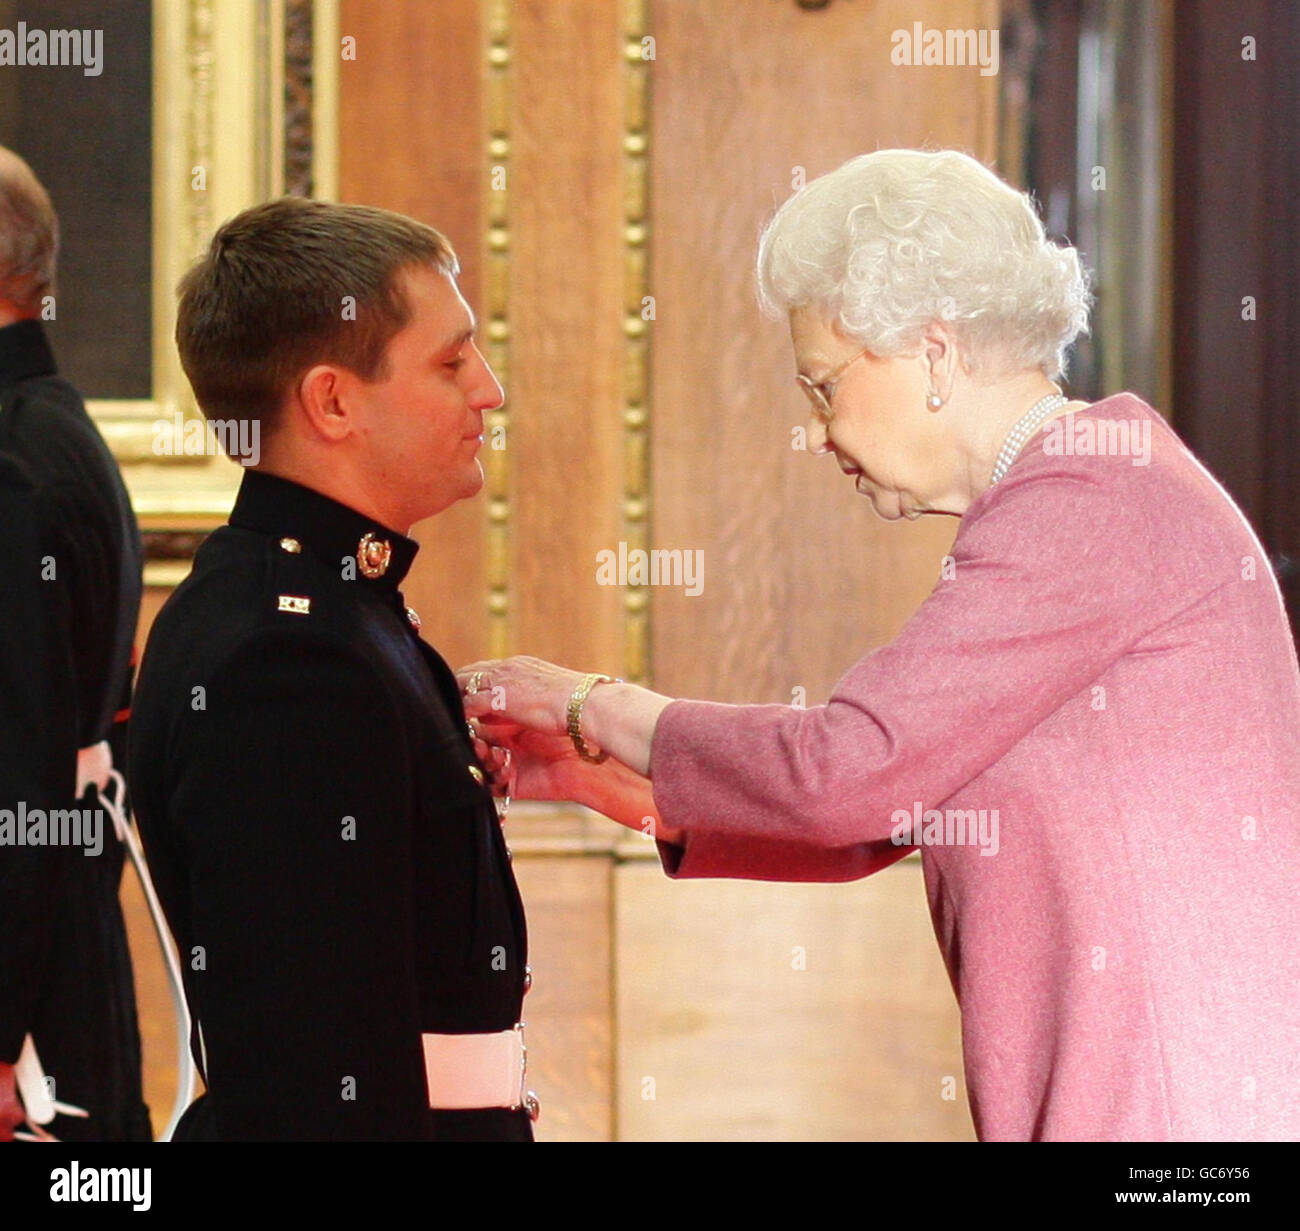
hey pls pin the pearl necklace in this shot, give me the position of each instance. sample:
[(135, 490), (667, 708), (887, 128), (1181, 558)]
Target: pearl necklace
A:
[(1019, 434)]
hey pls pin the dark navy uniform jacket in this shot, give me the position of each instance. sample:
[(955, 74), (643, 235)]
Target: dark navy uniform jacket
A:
[(318, 830), (69, 600)]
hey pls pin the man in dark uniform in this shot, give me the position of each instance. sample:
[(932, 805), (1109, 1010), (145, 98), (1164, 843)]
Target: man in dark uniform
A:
[(316, 818), (69, 601)]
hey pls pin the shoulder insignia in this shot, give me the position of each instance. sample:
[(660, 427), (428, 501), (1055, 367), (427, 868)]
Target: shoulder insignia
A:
[(295, 603)]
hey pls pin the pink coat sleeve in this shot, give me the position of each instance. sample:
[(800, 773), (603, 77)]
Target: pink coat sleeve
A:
[(1056, 575)]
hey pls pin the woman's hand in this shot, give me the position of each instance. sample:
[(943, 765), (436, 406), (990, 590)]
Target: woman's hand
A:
[(12, 1115), (616, 718), (528, 691), (528, 764), (547, 767)]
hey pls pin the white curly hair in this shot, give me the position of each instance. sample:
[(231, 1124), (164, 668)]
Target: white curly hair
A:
[(893, 240)]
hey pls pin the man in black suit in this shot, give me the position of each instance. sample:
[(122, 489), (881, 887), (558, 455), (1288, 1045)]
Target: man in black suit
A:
[(318, 824), (69, 600)]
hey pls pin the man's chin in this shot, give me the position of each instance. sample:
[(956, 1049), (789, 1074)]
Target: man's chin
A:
[(442, 501), (471, 483), (476, 480)]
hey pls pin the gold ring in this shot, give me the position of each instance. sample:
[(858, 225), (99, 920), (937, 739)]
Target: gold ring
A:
[(475, 682)]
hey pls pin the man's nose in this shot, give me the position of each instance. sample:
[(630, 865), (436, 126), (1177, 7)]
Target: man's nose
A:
[(487, 393), (493, 394)]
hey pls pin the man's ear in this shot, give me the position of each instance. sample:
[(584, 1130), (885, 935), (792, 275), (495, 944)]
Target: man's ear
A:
[(324, 397)]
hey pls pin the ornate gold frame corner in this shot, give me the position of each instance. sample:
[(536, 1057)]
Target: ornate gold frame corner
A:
[(218, 142)]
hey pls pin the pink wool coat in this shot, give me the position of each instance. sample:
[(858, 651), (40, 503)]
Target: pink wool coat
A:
[(1110, 668)]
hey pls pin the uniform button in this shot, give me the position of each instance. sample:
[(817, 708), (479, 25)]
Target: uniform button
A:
[(528, 979), (292, 546), (476, 774)]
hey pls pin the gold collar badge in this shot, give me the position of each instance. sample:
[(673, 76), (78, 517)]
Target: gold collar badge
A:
[(373, 555)]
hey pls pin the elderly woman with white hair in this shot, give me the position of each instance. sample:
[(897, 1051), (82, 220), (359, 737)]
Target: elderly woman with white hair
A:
[(1104, 683)]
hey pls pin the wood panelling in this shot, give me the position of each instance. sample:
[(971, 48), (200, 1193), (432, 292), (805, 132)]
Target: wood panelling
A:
[(569, 1010), (566, 338), (801, 578), (411, 140), (784, 1012)]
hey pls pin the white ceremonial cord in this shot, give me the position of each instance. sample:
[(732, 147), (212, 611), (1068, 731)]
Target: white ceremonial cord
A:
[(185, 1061)]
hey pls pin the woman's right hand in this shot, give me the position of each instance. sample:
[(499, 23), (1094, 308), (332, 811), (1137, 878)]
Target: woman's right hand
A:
[(547, 767), (540, 765), (12, 1115)]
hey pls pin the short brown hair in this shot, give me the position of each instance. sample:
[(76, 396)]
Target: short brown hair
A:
[(29, 234), (292, 283)]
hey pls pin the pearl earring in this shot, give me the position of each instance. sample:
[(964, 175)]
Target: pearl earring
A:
[(934, 401)]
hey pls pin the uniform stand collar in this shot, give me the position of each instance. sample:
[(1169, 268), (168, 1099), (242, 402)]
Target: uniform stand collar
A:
[(24, 352), (331, 531)]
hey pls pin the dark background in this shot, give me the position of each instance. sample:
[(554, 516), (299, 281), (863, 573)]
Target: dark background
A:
[(1234, 172), (89, 141)]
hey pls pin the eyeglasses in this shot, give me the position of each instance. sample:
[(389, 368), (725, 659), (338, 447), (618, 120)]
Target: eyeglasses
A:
[(820, 393)]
